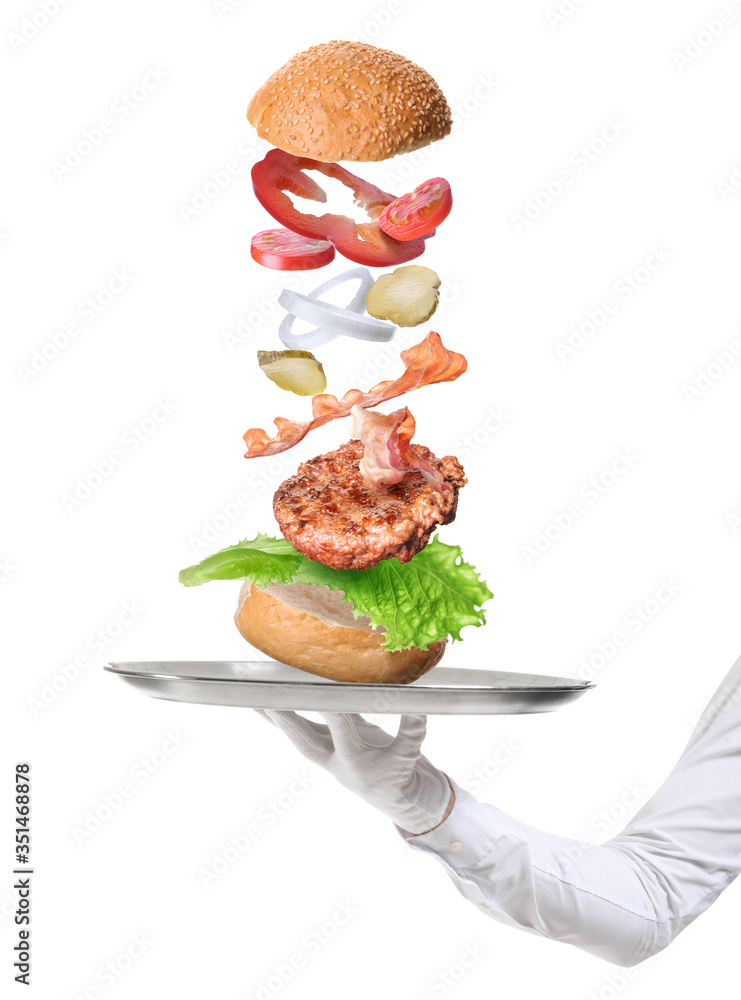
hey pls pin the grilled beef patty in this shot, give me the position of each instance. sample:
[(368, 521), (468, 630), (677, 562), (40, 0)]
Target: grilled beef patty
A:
[(331, 514)]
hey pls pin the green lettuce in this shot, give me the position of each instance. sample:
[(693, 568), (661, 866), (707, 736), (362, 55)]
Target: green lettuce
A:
[(418, 602)]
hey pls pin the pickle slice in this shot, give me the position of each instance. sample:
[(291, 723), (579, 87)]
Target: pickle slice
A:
[(295, 371), (407, 297)]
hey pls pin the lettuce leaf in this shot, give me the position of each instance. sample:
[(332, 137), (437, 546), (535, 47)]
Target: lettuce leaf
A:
[(433, 595), (263, 560)]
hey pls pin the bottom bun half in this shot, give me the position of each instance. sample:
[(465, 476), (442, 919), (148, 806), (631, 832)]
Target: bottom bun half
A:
[(311, 628)]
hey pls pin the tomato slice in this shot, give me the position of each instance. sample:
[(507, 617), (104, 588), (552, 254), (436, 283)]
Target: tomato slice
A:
[(285, 250), (364, 243), (415, 214)]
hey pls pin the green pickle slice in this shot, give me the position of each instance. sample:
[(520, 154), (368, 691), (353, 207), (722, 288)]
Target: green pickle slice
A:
[(295, 371), (407, 297)]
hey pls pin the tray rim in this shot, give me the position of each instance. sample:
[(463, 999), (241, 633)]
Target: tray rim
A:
[(113, 668)]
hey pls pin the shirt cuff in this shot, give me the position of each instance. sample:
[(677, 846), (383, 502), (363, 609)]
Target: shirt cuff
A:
[(461, 840)]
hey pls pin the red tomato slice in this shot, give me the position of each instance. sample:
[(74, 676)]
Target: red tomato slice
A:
[(417, 213), (287, 251), (364, 243)]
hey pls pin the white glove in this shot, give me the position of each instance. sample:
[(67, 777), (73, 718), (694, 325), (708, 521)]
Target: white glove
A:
[(389, 772)]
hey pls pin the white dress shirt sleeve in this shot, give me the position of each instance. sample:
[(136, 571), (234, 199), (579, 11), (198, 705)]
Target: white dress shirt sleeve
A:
[(626, 899)]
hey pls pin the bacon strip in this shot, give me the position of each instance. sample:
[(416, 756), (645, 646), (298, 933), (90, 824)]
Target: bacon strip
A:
[(426, 363), (388, 452)]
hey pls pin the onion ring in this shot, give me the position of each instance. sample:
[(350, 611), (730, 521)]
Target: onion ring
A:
[(334, 321)]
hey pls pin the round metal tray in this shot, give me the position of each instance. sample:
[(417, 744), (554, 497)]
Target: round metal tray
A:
[(268, 684)]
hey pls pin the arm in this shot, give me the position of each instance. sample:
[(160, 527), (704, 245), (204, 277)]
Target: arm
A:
[(627, 899)]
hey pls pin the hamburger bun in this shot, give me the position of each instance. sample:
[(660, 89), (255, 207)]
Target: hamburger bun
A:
[(349, 101), (311, 628)]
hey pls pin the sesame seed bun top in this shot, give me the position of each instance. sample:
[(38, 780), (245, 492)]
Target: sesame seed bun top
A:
[(349, 101)]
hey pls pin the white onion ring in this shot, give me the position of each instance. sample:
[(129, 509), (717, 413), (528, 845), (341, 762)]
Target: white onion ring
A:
[(334, 321)]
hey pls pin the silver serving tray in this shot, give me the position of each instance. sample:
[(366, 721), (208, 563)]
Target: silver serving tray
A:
[(268, 684)]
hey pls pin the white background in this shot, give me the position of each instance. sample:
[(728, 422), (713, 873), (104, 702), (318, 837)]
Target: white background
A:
[(527, 90)]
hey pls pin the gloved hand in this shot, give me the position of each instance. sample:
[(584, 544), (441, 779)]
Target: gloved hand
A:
[(389, 772)]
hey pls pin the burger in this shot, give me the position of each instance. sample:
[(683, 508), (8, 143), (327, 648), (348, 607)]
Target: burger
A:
[(358, 588)]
